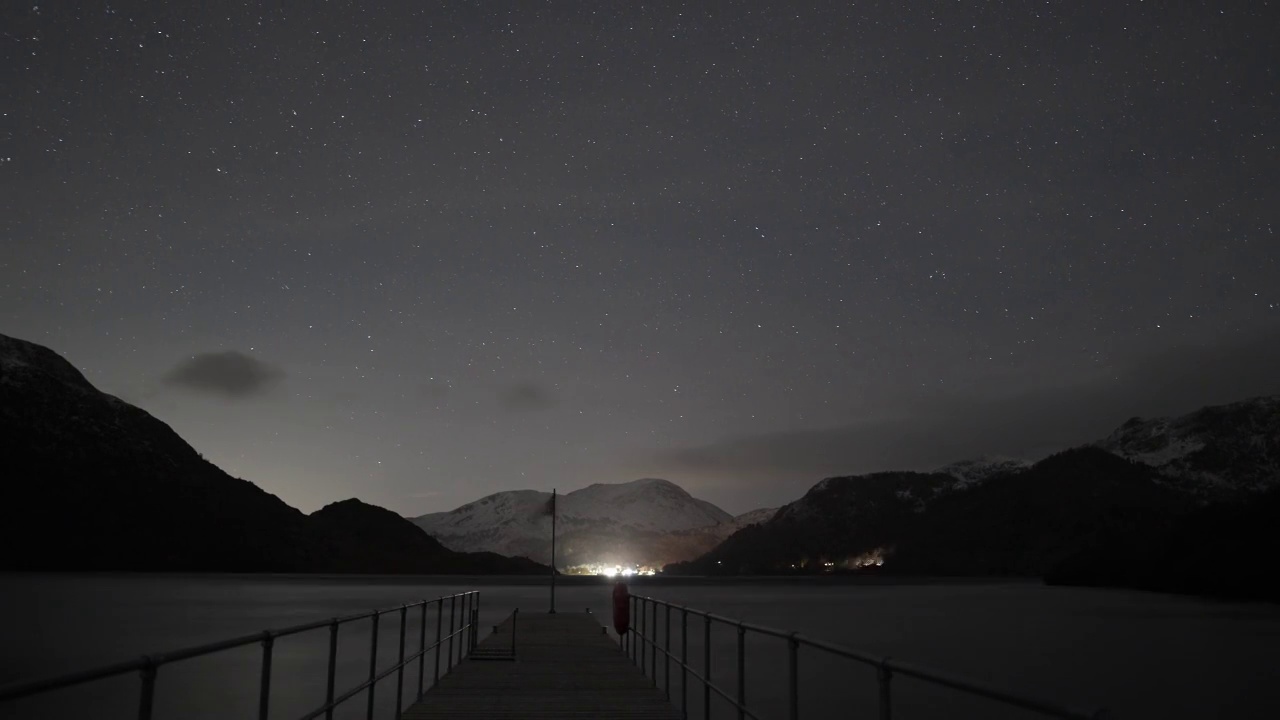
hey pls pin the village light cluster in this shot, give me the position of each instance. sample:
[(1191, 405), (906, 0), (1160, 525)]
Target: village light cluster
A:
[(617, 570)]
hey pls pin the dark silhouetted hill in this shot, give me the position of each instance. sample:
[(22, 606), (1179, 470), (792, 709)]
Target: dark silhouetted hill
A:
[(92, 483), (1018, 523), (370, 539), (1225, 550)]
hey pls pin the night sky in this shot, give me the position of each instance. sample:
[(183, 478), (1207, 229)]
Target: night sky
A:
[(417, 253)]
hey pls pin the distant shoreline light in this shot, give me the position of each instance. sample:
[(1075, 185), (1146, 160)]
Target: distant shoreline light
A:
[(613, 570)]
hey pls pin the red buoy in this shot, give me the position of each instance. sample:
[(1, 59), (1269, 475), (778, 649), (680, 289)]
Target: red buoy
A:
[(621, 608)]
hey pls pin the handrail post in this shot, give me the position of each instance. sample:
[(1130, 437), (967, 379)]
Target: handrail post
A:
[(373, 666), (453, 611), (464, 625), (147, 698), (514, 616), (793, 677), (422, 649), (885, 676), (644, 607), (264, 687), (706, 667), (666, 663), (475, 626), (631, 636), (684, 663), (404, 611), (333, 669), (742, 672), (439, 623), (653, 654)]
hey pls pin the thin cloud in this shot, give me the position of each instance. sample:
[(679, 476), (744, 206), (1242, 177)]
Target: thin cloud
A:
[(1027, 424), (230, 374), (526, 396), (433, 389)]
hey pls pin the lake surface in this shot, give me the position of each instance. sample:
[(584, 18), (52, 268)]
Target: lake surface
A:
[(1141, 655)]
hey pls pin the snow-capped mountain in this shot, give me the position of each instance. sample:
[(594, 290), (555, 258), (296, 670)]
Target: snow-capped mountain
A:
[(751, 517), (1214, 451), (979, 470), (646, 522)]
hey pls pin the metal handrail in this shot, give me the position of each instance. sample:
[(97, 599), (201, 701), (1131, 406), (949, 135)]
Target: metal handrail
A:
[(465, 621), (885, 667)]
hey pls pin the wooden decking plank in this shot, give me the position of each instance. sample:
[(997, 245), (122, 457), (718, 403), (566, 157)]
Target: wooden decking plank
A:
[(564, 667)]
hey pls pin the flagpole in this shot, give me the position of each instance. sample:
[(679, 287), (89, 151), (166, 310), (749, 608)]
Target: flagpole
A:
[(553, 551)]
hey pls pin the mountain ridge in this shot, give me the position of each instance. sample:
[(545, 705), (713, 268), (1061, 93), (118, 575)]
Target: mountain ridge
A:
[(648, 522), (1087, 515), (98, 484)]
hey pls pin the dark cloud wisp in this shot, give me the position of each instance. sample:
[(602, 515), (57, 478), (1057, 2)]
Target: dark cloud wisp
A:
[(526, 396), (1029, 424), (229, 374)]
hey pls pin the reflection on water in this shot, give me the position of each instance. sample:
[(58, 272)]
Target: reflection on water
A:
[(1143, 655)]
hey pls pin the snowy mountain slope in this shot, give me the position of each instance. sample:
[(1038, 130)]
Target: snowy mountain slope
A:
[(752, 517), (1213, 452), (638, 522), (979, 470)]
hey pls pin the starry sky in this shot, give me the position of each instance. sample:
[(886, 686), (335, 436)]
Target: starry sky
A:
[(420, 252)]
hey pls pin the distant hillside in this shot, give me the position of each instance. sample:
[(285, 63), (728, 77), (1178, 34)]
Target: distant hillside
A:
[(94, 483), (370, 539), (1019, 523), (979, 470), (1219, 453), (1189, 504), (1223, 549), (647, 522)]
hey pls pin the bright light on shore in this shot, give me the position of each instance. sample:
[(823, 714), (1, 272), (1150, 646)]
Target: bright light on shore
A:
[(616, 570)]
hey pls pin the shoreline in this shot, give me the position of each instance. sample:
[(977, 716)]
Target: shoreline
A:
[(561, 580)]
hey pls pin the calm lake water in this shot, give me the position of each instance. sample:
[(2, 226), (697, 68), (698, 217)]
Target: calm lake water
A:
[(1141, 655)]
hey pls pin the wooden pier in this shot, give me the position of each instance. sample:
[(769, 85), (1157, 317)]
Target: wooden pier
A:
[(564, 666)]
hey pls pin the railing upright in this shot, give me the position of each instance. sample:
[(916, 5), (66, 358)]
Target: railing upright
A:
[(422, 650), (439, 624), (644, 640), (684, 663), (453, 610), (515, 615), (666, 646), (148, 696), (332, 671), (793, 677), (742, 672), (884, 676), (475, 623), (264, 685), (653, 646), (706, 667), (373, 667), (465, 641), (404, 612), (464, 619)]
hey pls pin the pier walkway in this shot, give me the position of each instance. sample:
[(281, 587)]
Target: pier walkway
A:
[(564, 666)]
